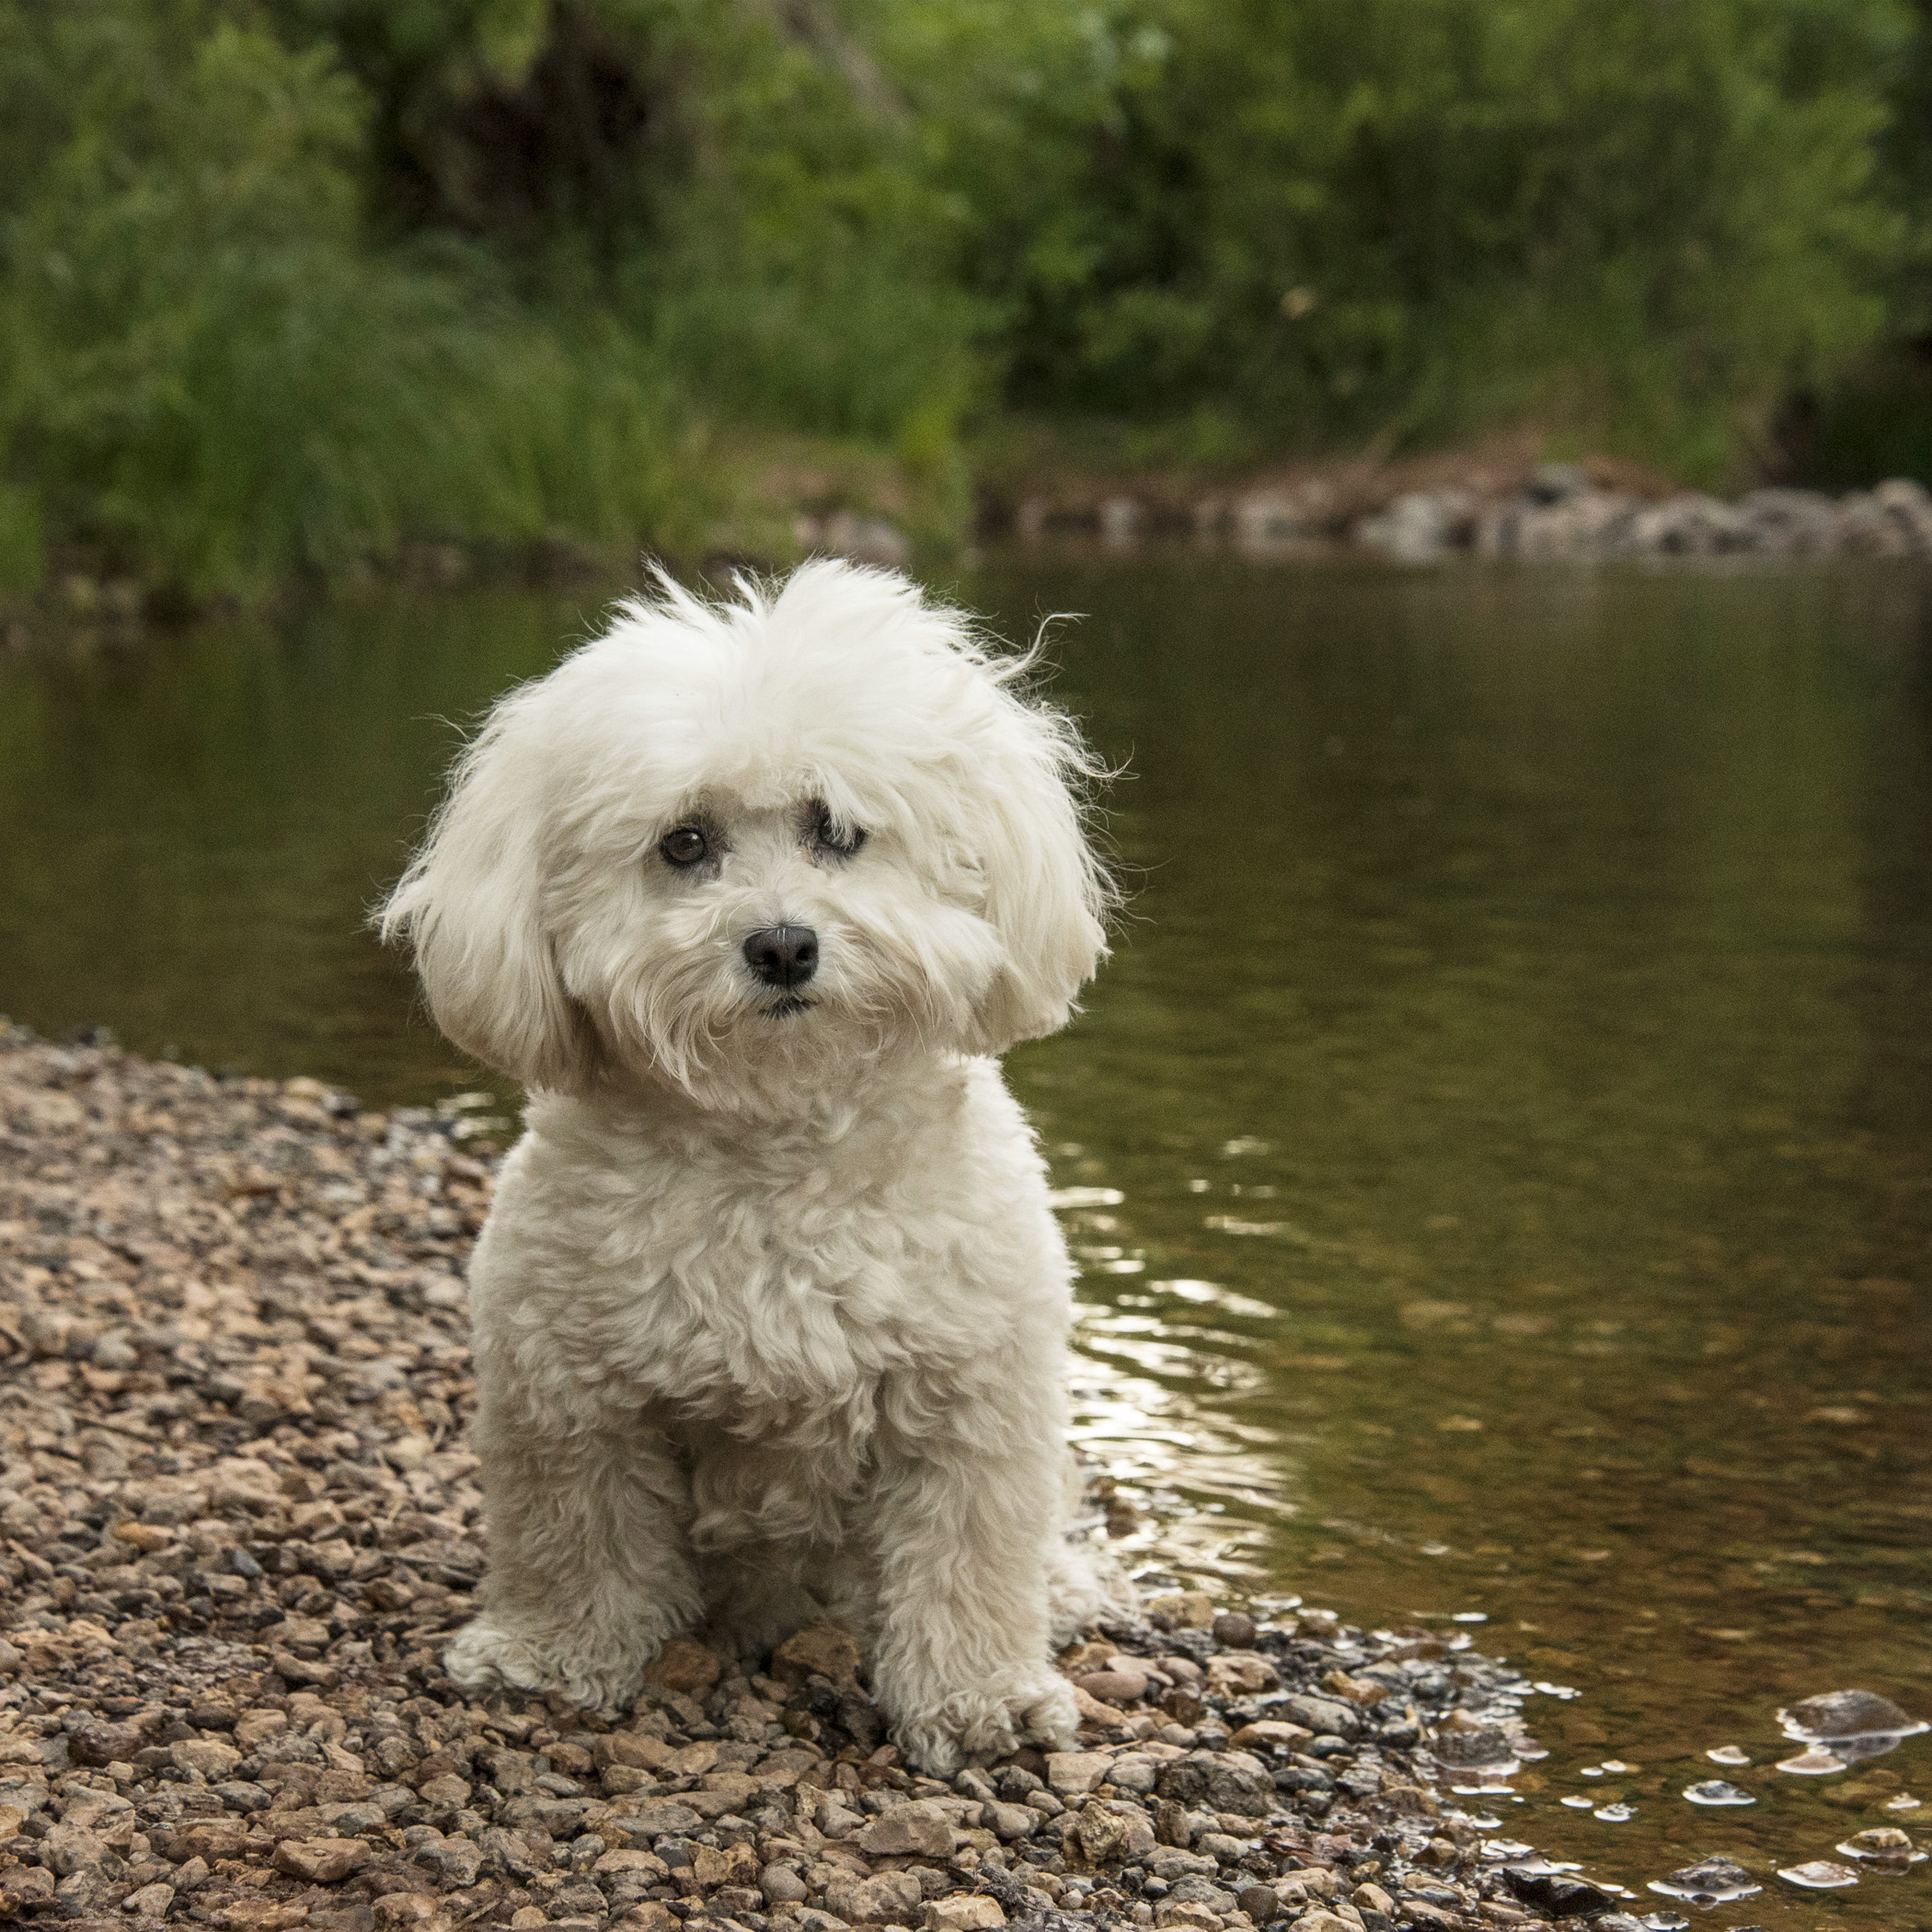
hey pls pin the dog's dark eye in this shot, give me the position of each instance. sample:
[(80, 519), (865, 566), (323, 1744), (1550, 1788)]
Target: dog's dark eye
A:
[(684, 846), (842, 842)]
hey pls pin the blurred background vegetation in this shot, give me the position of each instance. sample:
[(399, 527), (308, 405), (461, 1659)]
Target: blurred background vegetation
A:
[(289, 287)]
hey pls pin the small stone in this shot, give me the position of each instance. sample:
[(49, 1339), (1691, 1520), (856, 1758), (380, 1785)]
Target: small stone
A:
[(1181, 1610), (1330, 1716), (1075, 1771), (1884, 1842), (1818, 1875), (526, 1918), (1012, 1822), (209, 1758), (1847, 1714), (1241, 1673), (714, 1866), (781, 1885), (818, 1650), (149, 1900), (1204, 1918), (1262, 1902), (321, 1861), (259, 1914), (1096, 1715), (888, 1898), (1710, 1881), (1132, 1773), (1235, 1629), (1266, 1734), (25, 1886), (684, 1666), (411, 1912), (651, 1916), (920, 1829), (662, 1817), (143, 1535), (105, 1743), (1102, 1834), (969, 1912), (1113, 1686), (253, 1729), (631, 1748), (1556, 1891)]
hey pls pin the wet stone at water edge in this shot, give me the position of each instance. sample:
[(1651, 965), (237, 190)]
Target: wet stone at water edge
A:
[(1841, 1717), (1710, 1881), (240, 1526)]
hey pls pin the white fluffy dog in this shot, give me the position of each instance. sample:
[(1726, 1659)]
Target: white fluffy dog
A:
[(770, 1311)]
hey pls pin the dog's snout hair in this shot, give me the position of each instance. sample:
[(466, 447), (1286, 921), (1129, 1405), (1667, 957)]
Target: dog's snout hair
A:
[(784, 956)]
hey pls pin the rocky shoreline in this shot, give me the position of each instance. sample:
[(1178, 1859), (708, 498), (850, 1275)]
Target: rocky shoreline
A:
[(237, 1522), (1555, 512)]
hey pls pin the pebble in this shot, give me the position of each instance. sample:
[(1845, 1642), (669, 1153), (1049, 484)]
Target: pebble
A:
[(1836, 1716), (239, 1523)]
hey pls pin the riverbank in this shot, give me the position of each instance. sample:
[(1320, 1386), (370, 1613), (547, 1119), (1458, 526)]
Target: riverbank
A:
[(1499, 501), (240, 1522), (771, 502)]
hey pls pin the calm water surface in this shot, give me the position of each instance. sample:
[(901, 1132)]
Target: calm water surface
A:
[(1500, 1153)]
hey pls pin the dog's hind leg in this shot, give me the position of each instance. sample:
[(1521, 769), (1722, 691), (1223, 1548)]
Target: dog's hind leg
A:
[(588, 1568)]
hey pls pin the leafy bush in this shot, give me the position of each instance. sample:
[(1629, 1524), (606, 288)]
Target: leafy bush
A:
[(1413, 216), (285, 284), (213, 380)]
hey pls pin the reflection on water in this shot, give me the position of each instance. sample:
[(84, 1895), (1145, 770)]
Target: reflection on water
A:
[(1496, 1156)]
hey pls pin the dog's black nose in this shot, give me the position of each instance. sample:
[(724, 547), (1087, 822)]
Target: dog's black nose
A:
[(783, 955)]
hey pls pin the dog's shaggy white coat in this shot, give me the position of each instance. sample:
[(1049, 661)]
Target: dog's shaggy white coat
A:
[(770, 1312)]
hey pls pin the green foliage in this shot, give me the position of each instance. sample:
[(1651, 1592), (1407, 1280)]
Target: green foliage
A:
[(212, 379), (1416, 216), (289, 285)]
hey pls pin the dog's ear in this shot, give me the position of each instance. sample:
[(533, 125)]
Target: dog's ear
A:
[(471, 907), (1045, 891)]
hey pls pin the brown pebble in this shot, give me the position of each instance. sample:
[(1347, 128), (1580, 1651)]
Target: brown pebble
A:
[(321, 1861), (682, 1665), (819, 1650)]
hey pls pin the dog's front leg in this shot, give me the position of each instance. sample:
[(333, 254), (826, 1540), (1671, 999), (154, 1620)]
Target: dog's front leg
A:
[(589, 1570), (960, 1661)]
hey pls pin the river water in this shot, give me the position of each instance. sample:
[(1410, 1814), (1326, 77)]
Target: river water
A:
[(1499, 1153)]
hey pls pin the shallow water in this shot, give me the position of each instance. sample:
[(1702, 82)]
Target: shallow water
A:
[(1501, 1150)]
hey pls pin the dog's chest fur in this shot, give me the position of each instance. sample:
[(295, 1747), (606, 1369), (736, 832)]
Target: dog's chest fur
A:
[(774, 1282)]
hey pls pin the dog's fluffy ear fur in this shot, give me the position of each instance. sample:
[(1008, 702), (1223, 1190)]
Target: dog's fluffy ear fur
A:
[(1046, 894), (471, 906)]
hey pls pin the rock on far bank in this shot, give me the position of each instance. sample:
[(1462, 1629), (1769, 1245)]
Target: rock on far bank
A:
[(1562, 516), (1498, 511), (239, 1523)]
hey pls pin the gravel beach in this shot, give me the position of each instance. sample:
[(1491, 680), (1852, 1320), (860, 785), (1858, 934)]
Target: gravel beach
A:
[(238, 1521)]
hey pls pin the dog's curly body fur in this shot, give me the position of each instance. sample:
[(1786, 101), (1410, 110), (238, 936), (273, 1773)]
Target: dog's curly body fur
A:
[(770, 1311)]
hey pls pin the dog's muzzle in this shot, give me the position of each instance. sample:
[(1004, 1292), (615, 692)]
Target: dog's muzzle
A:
[(783, 955)]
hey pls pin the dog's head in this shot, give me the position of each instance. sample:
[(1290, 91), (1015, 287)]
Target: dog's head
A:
[(751, 848)]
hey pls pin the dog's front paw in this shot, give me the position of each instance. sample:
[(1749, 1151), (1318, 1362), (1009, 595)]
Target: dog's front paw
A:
[(989, 1721), (486, 1655)]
